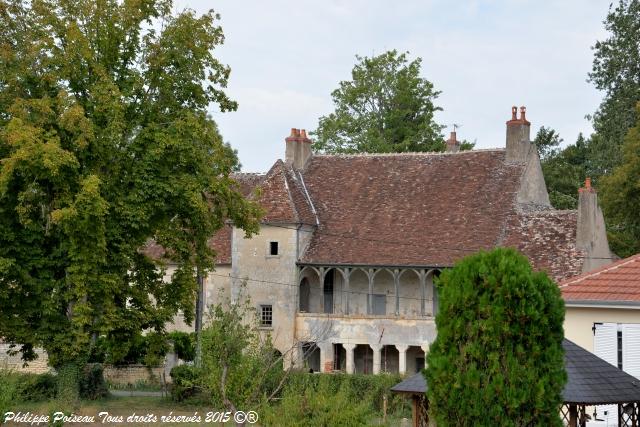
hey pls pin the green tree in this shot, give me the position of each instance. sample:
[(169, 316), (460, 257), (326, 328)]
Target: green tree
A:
[(547, 141), (240, 367), (616, 71), (564, 173), (620, 197), (498, 358), (386, 108), (105, 142)]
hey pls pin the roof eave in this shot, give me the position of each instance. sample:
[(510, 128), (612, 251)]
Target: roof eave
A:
[(630, 305)]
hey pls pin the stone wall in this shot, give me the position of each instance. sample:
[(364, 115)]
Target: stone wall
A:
[(132, 374), (38, 366)]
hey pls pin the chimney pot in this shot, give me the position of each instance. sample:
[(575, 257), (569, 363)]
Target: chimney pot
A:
[(514, 113), (523, 112), (298, 148)]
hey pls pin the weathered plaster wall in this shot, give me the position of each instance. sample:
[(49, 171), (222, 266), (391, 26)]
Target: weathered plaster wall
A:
[(578, 322), (250, 259), (217, 287), (366, 329)]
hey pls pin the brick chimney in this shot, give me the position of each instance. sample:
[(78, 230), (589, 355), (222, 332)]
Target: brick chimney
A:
[(591, 235), (518, 136), (298, 148), (453, 145)]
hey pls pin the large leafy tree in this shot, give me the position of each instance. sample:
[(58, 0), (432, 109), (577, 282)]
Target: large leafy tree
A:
[(616, 71), (105, 142), (620, 197), (386, 107), (498, 358), (564, 171)]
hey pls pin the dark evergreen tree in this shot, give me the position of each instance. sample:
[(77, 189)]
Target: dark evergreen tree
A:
[(498, 358)]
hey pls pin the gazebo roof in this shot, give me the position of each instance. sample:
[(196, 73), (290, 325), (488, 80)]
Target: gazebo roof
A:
[(590, 380)]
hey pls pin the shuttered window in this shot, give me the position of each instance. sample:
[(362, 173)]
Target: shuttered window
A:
[(605, 346), (605, 342), (631, 349)]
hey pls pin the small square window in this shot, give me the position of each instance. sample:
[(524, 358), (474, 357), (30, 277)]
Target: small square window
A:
[(266, 316), (273, 248)]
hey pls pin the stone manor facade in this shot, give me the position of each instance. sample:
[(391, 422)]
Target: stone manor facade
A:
[(342, 271)]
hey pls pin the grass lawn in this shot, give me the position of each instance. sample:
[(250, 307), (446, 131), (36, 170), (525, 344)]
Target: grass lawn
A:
[(123, 407)]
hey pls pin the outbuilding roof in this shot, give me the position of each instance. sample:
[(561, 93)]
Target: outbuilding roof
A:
[(590, 380), (618, 282)]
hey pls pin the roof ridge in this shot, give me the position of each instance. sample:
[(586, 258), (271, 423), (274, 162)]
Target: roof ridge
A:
[(417, 153)]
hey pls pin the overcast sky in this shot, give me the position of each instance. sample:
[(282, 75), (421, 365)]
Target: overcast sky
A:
[(485, 56)]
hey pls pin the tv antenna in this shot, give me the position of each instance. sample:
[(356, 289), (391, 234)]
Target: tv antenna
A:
[(456, 126)]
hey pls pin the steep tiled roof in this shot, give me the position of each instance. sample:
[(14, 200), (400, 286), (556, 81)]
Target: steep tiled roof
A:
[(283, 198), (548, 239), (616, 282), (590, 380), (408, 209)]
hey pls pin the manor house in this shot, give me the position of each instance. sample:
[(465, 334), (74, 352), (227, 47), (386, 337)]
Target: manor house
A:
[(342, 270)]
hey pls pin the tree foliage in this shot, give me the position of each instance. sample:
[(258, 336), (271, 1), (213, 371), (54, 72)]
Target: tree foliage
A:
[(387, 107), (565, 171), (240, 366), (620, 197), (105, 142), (547, 141), (616, 71), (498, 358)]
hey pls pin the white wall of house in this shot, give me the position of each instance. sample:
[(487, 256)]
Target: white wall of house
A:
[(578, 322)]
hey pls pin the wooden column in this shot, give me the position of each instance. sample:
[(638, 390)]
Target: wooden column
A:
[(573, 415)]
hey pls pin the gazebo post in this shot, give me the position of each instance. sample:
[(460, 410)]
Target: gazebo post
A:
[(414, 410), (573, 415)]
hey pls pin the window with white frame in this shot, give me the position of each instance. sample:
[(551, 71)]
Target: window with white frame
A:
[(266, 315)]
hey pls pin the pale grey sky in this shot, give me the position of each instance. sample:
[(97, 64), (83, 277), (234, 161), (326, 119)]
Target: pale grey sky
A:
[(485, 56)]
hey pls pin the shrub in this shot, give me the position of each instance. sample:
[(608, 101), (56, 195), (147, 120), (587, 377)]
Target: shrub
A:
[(92, 383), (498, 358), (9, 382), (186, 383), (33, 388), (338, 399)]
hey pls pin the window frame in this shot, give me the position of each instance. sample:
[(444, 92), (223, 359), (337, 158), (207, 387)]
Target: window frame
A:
[(262, 312)]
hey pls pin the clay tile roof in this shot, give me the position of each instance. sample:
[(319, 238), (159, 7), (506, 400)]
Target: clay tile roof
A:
[(616, 282), (423, 209), (283, 198), (548, 239)]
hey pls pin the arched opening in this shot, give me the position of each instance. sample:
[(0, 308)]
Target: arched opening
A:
[(390, 359), (383, 296), (277, 359), (327, 291), (305, 294), (311, 356), (363, 359), (415, 360), (410, 293)]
